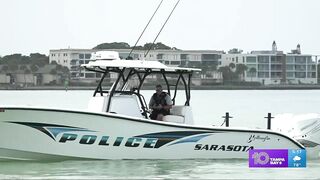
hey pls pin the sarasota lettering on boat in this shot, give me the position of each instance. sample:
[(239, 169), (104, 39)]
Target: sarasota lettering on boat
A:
[(214, 147)]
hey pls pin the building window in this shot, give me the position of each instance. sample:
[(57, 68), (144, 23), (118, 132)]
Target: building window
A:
[(183, 56), (159, 56), (81, 56), (263, 67), (290, 68), (300, 68), (300, 60), (290, 60), (87, 56), (249, 66), (263, 59), (276, 59), (251, 59), (290, 75), (98, 75), (89, 75), (276, 75), (263, 74), (311, 75), (175, 62), (300, 75)]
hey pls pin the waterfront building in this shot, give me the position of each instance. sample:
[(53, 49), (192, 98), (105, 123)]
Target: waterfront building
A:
[(205, 59), (275, 67), (264, 66)]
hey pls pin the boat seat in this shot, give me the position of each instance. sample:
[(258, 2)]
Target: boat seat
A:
[(177, 114)]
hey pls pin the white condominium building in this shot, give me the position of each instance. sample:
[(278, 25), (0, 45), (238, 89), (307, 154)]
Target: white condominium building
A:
[(275, 67)]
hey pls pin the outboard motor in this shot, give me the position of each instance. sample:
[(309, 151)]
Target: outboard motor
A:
[(306, 131)]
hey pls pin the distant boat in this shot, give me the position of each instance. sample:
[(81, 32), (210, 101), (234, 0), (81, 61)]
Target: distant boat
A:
[(117, 124)]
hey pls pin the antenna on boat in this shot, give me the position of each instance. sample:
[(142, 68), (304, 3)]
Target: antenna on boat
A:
[(145, 55), (144, 29)]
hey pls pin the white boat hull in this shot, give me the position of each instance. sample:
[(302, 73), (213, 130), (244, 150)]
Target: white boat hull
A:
[(49, 134)]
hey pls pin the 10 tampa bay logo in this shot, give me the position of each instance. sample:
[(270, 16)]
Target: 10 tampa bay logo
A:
[(70, 134)]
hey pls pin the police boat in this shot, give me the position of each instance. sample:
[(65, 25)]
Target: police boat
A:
[(116, 124)]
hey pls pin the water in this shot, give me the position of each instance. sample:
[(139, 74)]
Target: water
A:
[(248, 107)]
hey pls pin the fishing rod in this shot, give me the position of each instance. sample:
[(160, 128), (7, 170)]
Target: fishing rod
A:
[(145, 55), (144, 29)]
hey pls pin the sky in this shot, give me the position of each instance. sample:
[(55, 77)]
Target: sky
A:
[(30, 26)]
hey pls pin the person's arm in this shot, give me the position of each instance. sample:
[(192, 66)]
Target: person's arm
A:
[(151, 103), (169, 103)]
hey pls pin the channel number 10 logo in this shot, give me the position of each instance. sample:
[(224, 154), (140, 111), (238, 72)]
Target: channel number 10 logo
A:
[(261, 158)]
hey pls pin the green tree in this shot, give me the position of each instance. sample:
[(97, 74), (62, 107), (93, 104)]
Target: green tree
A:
[(240, 69), (39, 59), (124, 45), (226, 73), (232, 65), (15, 59), (34, 68), (207, 69), (24, 68), (53, 72), (54, 62), (159, 45), (252, 72), (113, 45)]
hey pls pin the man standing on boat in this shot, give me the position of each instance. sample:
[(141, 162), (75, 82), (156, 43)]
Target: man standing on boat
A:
[(160, 103)]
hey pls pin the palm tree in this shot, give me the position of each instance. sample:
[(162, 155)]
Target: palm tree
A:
[(24, 68), (232, 65), (240, 69), (226, 73), (34, 68), (252, 72)]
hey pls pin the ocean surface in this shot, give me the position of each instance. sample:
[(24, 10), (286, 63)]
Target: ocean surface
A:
[(247, 107)]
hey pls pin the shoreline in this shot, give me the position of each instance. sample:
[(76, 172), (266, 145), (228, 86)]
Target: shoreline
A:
[(220, 87)]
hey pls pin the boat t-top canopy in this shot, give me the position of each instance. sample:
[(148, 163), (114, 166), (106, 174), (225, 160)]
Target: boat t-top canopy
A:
[(106, 62), (136, 64)]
